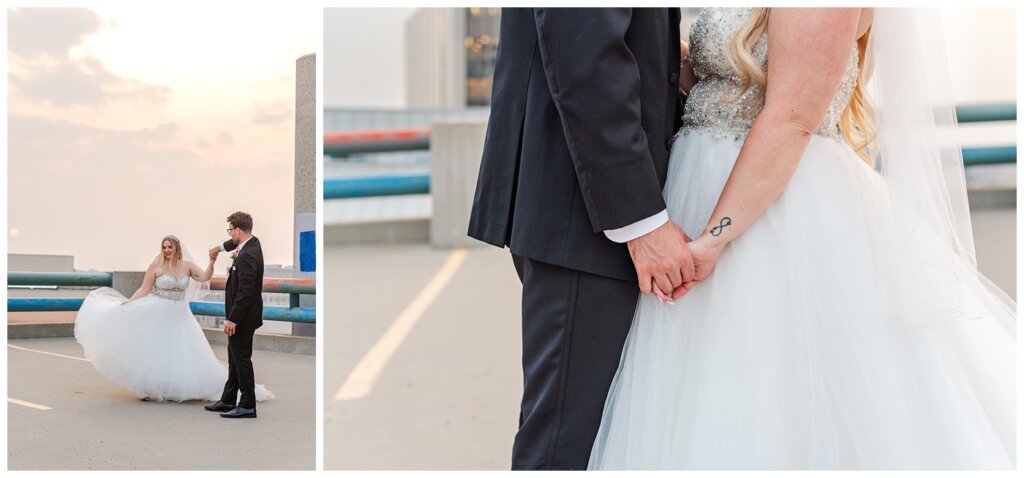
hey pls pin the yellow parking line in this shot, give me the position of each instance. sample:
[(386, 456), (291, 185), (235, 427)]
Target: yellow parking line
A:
[(362, 378), (46, 353), (28, 404)]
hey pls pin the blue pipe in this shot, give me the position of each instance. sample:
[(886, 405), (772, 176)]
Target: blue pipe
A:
[(43, 305), (285, 314), (339, 188)]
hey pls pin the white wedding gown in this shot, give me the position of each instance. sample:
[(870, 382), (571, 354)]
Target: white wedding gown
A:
[(152, 345), (797, 352)]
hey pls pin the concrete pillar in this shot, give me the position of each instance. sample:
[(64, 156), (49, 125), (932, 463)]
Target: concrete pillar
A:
[(127, 282), (304, 232), (455, 149)]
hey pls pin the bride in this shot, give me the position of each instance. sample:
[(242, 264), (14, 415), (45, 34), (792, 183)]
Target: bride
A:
[(151, 343), (836, 319)]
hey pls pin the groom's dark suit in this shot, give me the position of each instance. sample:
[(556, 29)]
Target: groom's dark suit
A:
[(243, 305), (584, 104)]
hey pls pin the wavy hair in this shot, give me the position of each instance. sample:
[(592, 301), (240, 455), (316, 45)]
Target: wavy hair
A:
[(177, 257), (855, 122)]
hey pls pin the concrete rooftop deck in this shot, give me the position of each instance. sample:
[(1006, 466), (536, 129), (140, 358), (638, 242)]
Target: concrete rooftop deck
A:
[(62, 414)]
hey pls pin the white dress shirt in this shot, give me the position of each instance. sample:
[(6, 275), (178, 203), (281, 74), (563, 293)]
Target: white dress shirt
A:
[(637, 229)]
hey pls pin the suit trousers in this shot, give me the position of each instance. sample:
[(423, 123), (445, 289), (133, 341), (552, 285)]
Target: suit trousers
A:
[(574, 328), (240, 373)]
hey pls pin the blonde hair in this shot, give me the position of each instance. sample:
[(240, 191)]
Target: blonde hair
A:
[(855, 122), (177, 248)]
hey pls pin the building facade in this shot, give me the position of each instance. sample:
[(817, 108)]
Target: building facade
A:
[(450, 55)]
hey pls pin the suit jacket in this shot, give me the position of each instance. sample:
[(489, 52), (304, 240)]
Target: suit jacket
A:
[(584, 105), (243, 293)]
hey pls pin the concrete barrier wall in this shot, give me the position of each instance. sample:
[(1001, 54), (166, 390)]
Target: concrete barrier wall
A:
[(455, 150)]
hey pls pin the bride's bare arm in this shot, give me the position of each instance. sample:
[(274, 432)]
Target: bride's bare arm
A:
[(147, 283), (809, 49), (687, 78), (198, 273)]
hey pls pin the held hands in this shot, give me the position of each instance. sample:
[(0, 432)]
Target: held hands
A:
[(229, 328), (705, 250), (662, 259), (213, 253), (667, 260)]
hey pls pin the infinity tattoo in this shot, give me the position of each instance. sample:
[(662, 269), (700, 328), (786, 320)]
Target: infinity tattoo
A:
[(726, 221)]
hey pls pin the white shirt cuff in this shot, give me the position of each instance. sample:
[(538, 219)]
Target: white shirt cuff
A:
[(637, 229), (221, 246)]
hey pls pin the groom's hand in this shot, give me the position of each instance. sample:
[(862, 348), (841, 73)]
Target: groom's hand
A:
[(229, 328), (214, 252), (706, 250), (662, 258)]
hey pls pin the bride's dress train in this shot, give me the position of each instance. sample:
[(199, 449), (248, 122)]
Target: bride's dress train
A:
[(817, 342), (152, 345)]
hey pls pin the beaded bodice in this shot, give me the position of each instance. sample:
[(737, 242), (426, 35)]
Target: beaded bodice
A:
[(708, 107), (168, 287)]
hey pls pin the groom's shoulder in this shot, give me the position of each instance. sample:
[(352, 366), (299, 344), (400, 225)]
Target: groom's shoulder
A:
[(255, 246)]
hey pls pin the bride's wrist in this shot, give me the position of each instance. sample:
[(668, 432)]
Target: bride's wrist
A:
[(719, 231), (718, 242)]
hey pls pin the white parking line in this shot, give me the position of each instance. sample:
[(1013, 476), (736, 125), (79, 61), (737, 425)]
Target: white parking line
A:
[(28, 404), (47, 353), (362, 378)]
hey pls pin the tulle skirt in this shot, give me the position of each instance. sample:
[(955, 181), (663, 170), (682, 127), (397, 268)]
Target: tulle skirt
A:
[(825, 338), (152, 346)]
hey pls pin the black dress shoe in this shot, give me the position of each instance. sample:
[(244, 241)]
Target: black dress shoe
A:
[(240, 413), (220, 407)]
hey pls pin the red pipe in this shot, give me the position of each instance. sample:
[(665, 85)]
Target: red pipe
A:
[(375, 135)]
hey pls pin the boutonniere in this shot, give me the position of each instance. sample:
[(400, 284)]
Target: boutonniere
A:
[(234, 255)]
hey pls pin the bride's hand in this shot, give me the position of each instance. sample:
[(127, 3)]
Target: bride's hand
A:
[(705, 249), (687, 78)]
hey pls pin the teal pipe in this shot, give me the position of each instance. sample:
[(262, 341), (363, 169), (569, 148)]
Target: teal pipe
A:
[(986, 113), (76, 279), (338, 150), (990, 155)]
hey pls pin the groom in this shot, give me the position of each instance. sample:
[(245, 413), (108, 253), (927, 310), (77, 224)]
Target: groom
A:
[(584, 104), (243, 307)]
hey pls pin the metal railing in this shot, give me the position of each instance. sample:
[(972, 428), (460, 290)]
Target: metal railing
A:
[(976, 156), (292, 287), (376, 186), (67, 279), (986, 113), (376, 141), (340, 144)]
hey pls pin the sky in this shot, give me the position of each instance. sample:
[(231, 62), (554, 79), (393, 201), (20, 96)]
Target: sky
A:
[(364, 57), (981, 44), (129, 123)]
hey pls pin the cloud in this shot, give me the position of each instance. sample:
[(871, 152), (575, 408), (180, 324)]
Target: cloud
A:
[(225, 139), (89, 153), (43, 69), (52, 32), (273, 112)]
